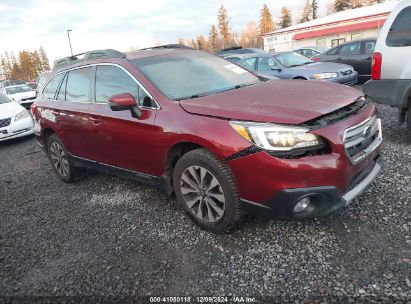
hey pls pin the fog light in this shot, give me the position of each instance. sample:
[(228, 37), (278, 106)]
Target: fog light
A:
[(302, 205)]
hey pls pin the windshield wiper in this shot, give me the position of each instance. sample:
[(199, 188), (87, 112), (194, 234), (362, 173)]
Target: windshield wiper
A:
[(239, 86), (308, 62)]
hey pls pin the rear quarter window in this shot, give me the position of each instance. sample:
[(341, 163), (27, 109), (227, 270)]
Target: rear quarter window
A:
[(400, 31), (50, 89)]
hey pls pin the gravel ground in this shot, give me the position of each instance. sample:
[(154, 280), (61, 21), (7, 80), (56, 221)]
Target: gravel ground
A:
[(110, 238)]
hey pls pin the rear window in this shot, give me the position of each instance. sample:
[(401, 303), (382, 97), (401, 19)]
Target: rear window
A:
[(400, 31)]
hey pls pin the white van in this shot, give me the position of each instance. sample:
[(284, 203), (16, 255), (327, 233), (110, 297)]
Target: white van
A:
[(391, 71)]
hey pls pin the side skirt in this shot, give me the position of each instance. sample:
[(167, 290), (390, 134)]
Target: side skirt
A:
[(156, 181)]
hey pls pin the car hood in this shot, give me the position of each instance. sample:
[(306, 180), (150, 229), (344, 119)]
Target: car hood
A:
[(321, 67), (20, 96), (10, 109), (277, 101)]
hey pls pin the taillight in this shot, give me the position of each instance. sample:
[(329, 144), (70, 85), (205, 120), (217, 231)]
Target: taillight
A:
[(376, 66), (315, 59), (33, 109)]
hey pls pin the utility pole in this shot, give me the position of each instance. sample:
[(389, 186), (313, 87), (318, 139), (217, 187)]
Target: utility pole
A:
[(68, 35)]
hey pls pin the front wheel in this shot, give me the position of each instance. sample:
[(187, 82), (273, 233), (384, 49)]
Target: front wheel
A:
[(206, 189)]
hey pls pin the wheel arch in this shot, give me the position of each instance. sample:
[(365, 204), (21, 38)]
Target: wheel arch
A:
[(175, 152), (299, 77)]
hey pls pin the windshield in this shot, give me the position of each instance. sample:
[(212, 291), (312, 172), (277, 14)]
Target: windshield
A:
[(18, 89), (4, 99), (193, 74), (292, 59)]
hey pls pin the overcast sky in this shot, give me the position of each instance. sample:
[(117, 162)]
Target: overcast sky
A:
[(119, 24)]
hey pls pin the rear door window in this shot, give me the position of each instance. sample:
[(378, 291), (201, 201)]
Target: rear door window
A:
[(351, 49), (78, 85), (62, 91), (400, 31), (50, 89)]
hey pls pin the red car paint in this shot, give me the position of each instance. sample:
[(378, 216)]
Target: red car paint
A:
[(94, 132)]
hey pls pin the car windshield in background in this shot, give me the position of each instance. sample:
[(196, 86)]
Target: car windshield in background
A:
[(290, 60), (4, 99), (193, 75), (18, 89)]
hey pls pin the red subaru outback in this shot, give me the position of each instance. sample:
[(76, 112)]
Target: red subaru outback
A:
[(223, 140)]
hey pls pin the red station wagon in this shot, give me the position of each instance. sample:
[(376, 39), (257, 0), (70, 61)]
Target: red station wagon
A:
[(223, 140)]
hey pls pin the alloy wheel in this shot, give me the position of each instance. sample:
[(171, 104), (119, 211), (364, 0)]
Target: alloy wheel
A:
[(203, 194), (59, 159)]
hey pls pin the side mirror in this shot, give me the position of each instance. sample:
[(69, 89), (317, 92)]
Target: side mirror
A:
[(124, 102)]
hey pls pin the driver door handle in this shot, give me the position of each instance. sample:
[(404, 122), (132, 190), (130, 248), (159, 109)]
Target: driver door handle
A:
[(94, 120)]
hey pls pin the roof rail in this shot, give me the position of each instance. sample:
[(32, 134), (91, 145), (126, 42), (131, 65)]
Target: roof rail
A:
[(231, 48), (168, 46), (66, 61)]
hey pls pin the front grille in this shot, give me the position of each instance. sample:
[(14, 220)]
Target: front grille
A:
[(361, 176), (358, 138), (338, 115), (346, 72), (5, 122)]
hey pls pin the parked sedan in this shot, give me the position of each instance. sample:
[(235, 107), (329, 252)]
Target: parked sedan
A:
[(291, 65), (311, 51), (357, 54), (23, 94), (15, 121)]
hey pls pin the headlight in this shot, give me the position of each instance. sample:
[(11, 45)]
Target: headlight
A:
[(21, 115), (325, 75), (280, 138)]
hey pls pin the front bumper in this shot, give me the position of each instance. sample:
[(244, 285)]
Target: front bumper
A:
[(274, 185), (351, 79), (20, 128), (326, 199)]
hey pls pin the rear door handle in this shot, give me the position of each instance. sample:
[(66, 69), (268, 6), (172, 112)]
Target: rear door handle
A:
[(94, 120)]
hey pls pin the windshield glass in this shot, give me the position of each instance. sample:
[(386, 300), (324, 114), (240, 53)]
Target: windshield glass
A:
[(18, 89), (292, 59), (4, 99), (193, 74)]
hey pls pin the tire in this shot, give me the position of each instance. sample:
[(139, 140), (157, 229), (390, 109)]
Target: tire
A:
[(216, 209), (61, 163)]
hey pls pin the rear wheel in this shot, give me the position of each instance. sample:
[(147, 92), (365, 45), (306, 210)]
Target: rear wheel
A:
[(206, 189), (60, 161)]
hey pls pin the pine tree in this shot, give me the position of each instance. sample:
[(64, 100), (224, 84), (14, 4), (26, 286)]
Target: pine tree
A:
[(213, 38), (44, 60), (307, 12), (285, 18), (314, 9), (224, 25), (341, 5), (266, 20)]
